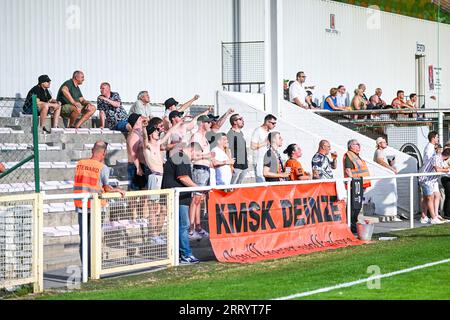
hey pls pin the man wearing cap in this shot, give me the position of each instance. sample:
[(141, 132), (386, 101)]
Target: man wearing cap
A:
[(182, 133), (73, 104), (154, 161), (142, 105), (217, 123), (171, 105), (380, 157), (45, 103), (200, 175)]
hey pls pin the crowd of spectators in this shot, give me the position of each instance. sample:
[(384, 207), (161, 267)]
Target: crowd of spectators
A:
[(302, 95), (179, 150)]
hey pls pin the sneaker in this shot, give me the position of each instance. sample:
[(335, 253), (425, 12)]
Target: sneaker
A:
[(188, 260), (203, 233), (436, 221), (424, 220), (158, 240), (194, 235), (45, 130), (442, 219)]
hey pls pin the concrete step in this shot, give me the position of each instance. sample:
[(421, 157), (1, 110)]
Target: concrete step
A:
[(55, 219), (61, 262), (55, 251)]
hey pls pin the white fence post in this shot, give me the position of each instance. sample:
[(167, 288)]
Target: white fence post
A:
[(349, 203), (176, 209), (411, 202), (84, 248)]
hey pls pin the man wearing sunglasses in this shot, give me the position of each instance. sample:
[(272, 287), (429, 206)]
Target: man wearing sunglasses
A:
[(238, 147), (259, 145)]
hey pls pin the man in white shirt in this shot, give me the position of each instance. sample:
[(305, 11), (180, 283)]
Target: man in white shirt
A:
[(297, 91), (259, 145), (341, 97), (142, 106), (428, 153)]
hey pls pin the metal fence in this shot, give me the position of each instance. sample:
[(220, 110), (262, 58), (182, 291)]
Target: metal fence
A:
[(405, 130), (21, 241), (243, 66), (131, 233), (18, 147)]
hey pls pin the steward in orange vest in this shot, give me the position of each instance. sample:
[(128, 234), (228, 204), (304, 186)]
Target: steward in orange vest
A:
[(88, 175), (359, 169)]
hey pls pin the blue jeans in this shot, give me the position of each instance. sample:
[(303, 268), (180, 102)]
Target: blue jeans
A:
[(185, 248), (258, 178), (121, 126), (80, 223)]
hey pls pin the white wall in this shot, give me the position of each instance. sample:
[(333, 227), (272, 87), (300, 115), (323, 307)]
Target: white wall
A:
[(381, 56), (169, 47)]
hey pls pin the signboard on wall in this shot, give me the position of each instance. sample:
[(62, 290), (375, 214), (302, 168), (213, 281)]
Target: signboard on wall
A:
[(434, 78), (420, 49), (431, 77), (332, 27)]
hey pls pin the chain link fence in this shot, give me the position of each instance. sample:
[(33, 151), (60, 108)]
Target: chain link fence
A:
[(16, 148), (134, 232), (20, 242), (243, 66)]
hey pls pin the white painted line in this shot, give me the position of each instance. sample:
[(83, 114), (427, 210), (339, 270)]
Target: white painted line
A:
[(354, 283)]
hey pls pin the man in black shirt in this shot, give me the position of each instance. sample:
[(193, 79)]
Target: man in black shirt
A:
[(178, 174), (238, 147), (46, 105), (274, 169)]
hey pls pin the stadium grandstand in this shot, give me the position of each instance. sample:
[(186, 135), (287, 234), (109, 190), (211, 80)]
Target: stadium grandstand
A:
[(235, 136)]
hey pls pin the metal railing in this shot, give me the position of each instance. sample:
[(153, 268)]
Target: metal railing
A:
[(345, 181), (132, 233), (14, 156), (399, 127), (138, 217)]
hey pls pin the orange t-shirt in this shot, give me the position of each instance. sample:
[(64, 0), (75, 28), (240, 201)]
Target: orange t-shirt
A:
[(296, 169)]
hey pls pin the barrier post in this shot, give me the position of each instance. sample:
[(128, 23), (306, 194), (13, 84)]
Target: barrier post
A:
[(96, 237), (170, 229), (84, 248), (411, 202), (441, 127), (176, 239), (349, 203), (38, 243)]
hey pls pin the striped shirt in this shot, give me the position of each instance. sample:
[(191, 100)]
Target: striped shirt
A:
[(428, 167)]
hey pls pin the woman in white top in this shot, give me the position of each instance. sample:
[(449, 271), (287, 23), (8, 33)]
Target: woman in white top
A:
[(222, 160)]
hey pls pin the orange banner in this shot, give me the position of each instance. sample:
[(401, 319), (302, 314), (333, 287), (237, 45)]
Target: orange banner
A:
[(254, 224)]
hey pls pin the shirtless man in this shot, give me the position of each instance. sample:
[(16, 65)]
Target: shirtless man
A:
[(152, 150), (182, 132), (200, 175), (136, 160)]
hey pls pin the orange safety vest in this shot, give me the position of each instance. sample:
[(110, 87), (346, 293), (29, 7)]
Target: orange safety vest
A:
[(360, 168), (87, 180)]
